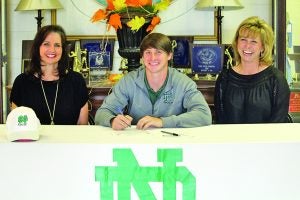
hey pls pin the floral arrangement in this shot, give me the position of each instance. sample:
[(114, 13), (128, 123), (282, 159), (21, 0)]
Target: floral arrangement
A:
[(137, 11)]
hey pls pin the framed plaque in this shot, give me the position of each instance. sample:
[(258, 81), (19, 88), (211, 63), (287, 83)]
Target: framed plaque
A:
[(207, 58), (100, 60), (100, 53), (181, 51)]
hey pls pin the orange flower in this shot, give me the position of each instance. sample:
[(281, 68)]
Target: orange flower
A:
[(138, 3), (115, 21), (110, 5), (134, 9), (99, 15), (155, 20)]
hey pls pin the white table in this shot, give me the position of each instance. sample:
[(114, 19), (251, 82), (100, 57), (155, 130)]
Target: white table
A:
[(228, 162)]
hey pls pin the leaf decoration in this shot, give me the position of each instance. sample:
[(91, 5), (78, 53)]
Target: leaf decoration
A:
[(99, 15), (138, 3), (136, 10), (145, 2), (155, 20), (163, 5), (115, 21), (110, 5), (136, 23), (119, 4)]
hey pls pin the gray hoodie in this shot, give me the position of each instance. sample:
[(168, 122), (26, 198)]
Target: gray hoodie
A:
[(179, 105)]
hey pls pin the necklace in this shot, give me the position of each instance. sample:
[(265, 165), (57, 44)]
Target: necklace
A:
[(51, 114)]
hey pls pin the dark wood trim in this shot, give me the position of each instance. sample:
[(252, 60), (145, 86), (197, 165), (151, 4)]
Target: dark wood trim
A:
[(1, 66), (280, 29)]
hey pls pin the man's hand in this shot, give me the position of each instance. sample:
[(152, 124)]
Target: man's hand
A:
[(120, 122), (149, 121)]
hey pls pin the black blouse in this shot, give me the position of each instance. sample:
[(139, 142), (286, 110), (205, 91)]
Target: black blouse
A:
[(72, 96), (257, 98)]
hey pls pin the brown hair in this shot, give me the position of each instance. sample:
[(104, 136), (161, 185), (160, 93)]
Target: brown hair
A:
[(157, 41), (35, 63)]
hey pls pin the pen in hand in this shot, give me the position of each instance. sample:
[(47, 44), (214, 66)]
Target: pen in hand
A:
[(120, 112), (170, 133)]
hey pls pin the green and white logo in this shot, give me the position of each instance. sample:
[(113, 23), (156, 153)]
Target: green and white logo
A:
[(129, 173), (22, 120)]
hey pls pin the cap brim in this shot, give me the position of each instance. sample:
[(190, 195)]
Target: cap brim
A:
[(23, 137)]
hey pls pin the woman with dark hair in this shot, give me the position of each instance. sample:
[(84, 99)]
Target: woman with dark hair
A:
[(56, 94), (155, 95), (252, 91)]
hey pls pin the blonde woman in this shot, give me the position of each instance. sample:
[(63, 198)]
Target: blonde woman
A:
[(252, 91)]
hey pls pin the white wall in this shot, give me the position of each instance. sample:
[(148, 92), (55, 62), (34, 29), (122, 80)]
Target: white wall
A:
[(292, 7), (22, 25), (231, 20)]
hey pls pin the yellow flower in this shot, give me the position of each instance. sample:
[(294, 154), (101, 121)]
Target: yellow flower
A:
[(136, 23), (137, 11), (119, 4)]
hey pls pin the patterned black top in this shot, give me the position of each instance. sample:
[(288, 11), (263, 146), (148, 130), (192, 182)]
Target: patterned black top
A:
[(257, 98), (72, 95)]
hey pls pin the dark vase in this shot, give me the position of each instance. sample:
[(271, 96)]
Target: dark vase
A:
[(129, 43)]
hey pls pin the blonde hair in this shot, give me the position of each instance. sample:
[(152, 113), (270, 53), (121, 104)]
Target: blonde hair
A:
[(256, 27)]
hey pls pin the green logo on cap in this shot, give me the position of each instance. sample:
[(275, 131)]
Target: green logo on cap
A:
[(129, 173), (22, 120)]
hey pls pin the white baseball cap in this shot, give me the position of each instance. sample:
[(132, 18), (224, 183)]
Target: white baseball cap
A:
[(22, 124)]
